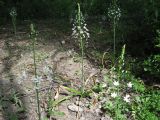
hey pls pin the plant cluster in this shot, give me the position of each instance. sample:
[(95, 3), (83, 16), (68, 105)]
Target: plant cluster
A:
[(125, 97)]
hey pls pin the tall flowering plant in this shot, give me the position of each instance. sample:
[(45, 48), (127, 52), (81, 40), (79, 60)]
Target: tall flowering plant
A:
[(114, 13), (81, 34), (13, 14), (36, 79)]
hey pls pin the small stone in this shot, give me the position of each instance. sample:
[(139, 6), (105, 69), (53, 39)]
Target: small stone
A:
[(75, 108), (103, 118), (98, 111), (79, 103), (106, 118), (82, 118), (87, 104), (43, 115)]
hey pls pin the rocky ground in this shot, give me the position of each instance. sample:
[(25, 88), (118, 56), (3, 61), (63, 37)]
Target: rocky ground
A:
[(58, 65)]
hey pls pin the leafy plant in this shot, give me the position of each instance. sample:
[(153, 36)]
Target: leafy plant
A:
[(52, 103), (118, 90), (139, 86), (16, 99), (152, 64), (147, 105), (75, 92), (128, 100), (13, 117)]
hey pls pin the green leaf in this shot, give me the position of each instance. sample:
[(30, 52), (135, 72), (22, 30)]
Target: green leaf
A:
[(13, 117), (97, 88), (73, 90), (56, 113), (138, 86), (56, 102)]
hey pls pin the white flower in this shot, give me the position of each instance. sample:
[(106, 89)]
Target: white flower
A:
[(22, 77), (74, 32), (114, 12), (13, 12), (116, 83), (46, 61), (88, 35), (70, 52), (129, 85), (49, 77), (73, 28), (104, 85), (63, 42), (114, 95), (79, 29), (37, 79), (45, 69), (114, 76), (127, 98)]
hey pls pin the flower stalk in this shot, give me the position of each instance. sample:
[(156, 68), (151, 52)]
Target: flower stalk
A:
[(81, 34), (13, 14), (81, 46), (34, 38), (114, 13)]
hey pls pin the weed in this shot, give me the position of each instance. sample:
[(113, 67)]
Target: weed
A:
[(51, 105), (15, 98)]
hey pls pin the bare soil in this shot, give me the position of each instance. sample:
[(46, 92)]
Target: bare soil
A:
[(64, 62)]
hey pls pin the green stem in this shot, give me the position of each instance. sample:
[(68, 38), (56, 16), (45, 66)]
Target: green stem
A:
[(117, 105), (82, 47), (35, 71), (114, 38), (14, 24), (82, 61)]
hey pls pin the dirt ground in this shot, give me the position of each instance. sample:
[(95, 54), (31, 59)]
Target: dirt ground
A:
[(57, 56)]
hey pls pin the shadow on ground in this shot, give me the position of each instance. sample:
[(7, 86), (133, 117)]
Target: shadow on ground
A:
[(12, 104)]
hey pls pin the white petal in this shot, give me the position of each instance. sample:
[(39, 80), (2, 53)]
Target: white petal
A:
[(116, 83), (114, 95)]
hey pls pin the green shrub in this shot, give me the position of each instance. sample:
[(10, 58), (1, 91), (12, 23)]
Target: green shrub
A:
[(147, 106), (152, 64)]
